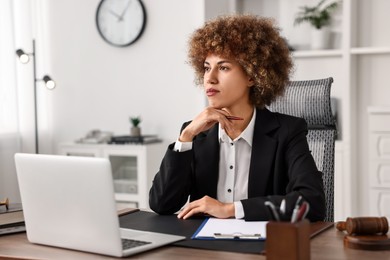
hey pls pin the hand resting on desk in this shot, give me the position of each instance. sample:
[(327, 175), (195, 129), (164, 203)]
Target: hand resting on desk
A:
[(207, 205)]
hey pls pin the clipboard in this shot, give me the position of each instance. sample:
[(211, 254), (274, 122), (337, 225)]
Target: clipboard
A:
[(230, 229)]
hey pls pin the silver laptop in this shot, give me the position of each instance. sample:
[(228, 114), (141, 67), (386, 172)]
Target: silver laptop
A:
[(69, 202)]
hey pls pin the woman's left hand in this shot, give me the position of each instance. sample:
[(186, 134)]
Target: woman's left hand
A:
[(208, 205)]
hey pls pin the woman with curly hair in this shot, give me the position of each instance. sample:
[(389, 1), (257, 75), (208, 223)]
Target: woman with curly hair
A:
[(236, 154)]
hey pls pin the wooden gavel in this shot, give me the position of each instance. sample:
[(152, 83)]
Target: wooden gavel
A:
[(364, 226)]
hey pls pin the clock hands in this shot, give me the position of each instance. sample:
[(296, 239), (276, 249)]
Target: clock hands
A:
[(115, 14), (124, 11), (120, 17)]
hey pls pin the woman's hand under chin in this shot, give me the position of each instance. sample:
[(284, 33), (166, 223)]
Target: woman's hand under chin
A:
[(205, 120)]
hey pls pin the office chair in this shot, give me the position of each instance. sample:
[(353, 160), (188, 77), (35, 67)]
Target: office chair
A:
[(310, 99)]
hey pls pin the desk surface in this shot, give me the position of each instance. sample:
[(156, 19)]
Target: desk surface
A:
[(327, 245)]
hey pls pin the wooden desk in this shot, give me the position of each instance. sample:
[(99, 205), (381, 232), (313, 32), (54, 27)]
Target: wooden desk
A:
[(327, 245)]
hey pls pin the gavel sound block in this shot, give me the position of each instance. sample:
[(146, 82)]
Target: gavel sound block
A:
[(368, 233)]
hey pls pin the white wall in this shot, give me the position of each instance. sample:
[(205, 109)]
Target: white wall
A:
[(100, 86)]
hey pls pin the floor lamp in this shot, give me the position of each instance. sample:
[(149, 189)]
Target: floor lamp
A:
[(49, 83)]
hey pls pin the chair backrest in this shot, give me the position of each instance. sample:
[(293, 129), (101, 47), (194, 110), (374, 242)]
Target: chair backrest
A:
[(310, 99)]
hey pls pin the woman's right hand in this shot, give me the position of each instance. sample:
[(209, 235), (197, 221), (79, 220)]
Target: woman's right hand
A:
[(204, 121)]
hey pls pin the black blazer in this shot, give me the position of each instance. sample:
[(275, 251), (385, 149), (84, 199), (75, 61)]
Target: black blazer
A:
[(281, 167)]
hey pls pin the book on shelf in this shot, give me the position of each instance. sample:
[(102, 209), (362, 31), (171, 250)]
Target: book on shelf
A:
[(12, 220), (128, 139)]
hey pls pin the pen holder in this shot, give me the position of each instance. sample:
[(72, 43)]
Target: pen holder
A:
[(289, 241)]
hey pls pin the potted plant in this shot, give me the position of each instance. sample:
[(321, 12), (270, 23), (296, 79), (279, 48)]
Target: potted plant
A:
[(319, 17), (135, 130)]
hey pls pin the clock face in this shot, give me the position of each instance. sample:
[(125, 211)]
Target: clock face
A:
[(120, 22)]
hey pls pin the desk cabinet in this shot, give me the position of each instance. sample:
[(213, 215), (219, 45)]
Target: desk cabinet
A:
[(379, 160), (133, 167)]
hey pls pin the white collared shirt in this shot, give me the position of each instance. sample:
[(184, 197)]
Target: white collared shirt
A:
[(234, 163)]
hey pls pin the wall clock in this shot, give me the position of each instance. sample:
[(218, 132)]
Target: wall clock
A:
[(120, 22)]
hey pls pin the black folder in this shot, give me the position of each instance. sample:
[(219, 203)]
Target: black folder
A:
[(170, 224)]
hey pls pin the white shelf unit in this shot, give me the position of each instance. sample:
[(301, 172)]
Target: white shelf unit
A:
[(358, 60), (379, 160), (317, 53), (133, 167)]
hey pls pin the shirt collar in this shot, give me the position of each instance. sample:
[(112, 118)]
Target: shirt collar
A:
[(247, 134)]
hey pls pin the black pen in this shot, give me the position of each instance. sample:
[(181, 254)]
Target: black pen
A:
[(273, 210), (234, 118), (283, 207), (298, 202), (296, 209)]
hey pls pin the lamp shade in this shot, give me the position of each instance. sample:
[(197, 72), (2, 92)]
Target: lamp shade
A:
[(50, 84), (23, 57)]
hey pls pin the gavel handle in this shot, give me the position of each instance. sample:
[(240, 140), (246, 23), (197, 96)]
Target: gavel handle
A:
[(341, 226)]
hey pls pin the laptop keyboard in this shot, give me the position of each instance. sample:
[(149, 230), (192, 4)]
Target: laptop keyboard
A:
[(131, 243)]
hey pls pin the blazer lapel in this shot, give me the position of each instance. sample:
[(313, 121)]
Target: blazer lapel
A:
[(207, 153), (263, 153)]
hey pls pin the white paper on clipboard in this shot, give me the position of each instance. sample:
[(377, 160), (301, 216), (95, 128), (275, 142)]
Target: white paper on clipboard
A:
[(231, 228)]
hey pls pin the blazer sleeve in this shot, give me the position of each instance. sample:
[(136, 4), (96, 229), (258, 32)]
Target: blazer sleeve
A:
[(172, 183), (295, 174)]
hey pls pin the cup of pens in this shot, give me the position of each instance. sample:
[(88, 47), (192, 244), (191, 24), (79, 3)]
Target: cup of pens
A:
[(288, 235)]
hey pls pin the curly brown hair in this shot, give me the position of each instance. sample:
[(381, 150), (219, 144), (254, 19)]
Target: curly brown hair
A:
[(255, 43)]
